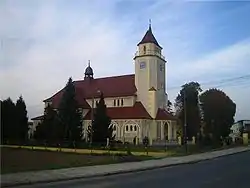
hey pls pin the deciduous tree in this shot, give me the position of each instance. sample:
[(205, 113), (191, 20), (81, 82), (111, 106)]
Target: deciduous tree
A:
[(218, 112)]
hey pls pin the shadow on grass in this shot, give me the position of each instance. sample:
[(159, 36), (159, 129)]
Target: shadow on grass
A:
[(20, 160)]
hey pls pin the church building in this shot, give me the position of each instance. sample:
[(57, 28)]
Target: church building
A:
[(136, 103)]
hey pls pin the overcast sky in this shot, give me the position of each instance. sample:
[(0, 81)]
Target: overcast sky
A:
[(44, 42)]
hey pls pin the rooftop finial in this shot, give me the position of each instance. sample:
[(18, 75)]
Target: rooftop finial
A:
[(89, 63), (149, 23)]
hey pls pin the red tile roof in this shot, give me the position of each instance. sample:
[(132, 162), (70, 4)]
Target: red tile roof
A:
[(134, 112), (164, 115), (149, 38), (116, 86)]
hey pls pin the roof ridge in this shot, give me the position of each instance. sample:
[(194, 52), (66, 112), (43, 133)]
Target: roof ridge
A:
[(107, 77)]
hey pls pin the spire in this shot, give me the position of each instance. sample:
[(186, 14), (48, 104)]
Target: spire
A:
[(89, 63), (149, 37)]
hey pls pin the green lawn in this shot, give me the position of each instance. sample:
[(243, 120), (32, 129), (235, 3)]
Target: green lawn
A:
[(138, 151), (20, 159)]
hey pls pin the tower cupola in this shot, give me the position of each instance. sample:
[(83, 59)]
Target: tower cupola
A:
[(89, 74)]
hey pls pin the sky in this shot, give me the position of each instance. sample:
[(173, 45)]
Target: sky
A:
[(45, 42)]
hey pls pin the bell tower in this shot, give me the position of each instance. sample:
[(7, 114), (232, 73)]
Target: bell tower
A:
[(150, 71)]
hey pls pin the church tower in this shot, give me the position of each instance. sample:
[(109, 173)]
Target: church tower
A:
[(150, 73)]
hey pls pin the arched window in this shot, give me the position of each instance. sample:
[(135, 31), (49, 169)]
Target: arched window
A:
[(131, 128), (118, 102), (144, 49), (114, 102), (121, 102), (126, 127), (135, 128)]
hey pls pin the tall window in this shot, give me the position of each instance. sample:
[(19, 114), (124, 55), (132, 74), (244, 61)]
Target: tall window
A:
[(126, 127), (114, 102), (131, 128), (118, 102), (121, 102), (144, 49)]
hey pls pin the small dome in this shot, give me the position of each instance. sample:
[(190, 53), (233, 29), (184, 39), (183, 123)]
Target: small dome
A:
[(88, 71)]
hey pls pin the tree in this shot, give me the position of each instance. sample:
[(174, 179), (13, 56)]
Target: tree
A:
[(49, 129), (187, 102), (8, 120), (89, 133), (69, 114), (22, 120), (170, 107), (101, 123), (218, 112)]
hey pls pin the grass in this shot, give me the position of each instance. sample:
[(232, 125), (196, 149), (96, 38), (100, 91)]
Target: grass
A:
[(25, 158), (137, 151), (21, 159)]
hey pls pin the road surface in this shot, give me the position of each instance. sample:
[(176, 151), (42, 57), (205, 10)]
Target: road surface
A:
[(230, 172)]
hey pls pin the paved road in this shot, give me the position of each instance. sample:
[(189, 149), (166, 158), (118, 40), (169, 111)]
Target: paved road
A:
[(230, 172)]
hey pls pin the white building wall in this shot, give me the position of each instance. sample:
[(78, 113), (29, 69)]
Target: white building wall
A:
[(115, 101)]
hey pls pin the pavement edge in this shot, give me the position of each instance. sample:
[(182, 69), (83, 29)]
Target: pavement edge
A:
[(117, 172)]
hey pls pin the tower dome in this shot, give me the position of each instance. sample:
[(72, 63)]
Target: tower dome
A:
[(89, 72)]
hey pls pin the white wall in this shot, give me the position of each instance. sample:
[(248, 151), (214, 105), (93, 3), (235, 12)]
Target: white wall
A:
[(127, 101)]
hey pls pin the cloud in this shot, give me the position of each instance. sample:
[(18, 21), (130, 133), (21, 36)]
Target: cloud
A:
[(46, 42), (232, 60), (229, 62), (57, 50)]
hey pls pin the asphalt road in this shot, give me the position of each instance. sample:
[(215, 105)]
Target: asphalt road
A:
[(230, 172)]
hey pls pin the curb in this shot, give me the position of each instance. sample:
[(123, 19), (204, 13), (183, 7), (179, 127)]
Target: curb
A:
[(117, 172)]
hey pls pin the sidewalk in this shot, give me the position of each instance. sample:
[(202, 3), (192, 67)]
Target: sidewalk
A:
[(102, 170)]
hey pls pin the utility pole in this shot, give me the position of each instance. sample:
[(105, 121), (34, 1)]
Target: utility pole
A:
[(185, 120)]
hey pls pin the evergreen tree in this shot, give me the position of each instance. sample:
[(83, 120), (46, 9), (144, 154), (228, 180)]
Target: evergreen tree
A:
[(49, 129), (169, 107), (69, 114), (101, 123), (188, 102), (8, 120), (22, 120)]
